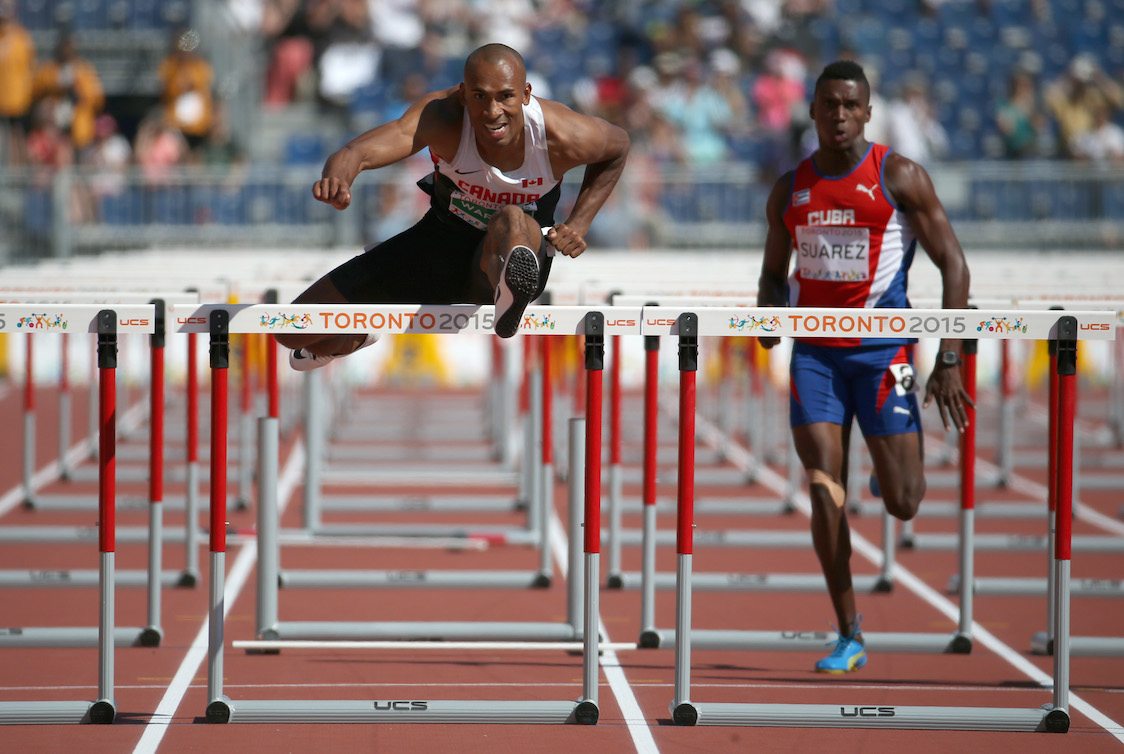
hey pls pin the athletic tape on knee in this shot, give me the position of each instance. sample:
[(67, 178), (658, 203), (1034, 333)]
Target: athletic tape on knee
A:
[(834, 488)]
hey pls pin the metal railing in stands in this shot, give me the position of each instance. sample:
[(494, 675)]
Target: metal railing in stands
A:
[(997, 205)]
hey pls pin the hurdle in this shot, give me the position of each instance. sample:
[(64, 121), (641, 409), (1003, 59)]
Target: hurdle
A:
[(884, 323), (222, 709), (106, 323), (546, 321)]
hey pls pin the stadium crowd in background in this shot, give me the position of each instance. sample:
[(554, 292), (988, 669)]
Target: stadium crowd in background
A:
[(696, 83)]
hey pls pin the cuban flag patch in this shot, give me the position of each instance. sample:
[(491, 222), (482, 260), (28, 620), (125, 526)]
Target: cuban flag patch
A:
[(803, 196)]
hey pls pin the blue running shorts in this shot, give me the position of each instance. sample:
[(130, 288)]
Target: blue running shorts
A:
[(876, 384)]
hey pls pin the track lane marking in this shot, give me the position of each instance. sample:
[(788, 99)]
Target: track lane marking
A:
[(184, 678)]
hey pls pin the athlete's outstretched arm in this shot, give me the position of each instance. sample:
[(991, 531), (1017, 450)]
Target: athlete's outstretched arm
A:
[(420, 126), (575, 139), (772, 285), (914, 193)]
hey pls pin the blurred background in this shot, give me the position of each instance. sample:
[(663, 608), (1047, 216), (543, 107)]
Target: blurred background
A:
[(129, 124)]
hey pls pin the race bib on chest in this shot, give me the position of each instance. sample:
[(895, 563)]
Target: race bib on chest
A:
[(834, 253), (477, 211)]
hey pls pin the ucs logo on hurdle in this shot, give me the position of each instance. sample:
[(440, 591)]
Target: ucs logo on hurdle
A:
[(401, 705), (867, 711)]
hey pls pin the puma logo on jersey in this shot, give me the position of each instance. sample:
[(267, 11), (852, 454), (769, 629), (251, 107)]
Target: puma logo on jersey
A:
[(868, 191)]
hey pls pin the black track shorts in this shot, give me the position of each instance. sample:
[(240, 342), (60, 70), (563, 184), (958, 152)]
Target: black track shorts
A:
[(432, 262)]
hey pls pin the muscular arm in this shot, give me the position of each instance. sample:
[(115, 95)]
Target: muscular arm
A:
[(432, 121), (575, 139), (771, 286), (913, 192)]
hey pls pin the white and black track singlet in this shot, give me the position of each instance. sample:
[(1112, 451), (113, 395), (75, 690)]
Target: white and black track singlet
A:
[(471, 190)]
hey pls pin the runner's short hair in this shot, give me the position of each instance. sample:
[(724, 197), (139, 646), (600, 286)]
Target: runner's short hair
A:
[(843, 70)]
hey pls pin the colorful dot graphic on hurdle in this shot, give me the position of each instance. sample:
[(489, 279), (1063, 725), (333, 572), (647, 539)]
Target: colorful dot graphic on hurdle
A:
[(106, 324), (585, 441), (1065, 329)]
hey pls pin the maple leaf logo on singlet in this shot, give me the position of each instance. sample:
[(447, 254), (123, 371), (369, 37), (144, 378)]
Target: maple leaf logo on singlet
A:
[(868, 191)]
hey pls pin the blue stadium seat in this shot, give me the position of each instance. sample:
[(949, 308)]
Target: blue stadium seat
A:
[(226, 206), (171, 205), (304, 149), (37, 15), (38, 209), (91, 15), (125, 208)]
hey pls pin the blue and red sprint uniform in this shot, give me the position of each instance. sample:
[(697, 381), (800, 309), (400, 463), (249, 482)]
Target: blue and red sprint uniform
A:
[(853, 249)]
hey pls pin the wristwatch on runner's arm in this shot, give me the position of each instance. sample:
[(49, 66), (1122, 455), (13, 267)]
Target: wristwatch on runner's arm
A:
[(948, 359)]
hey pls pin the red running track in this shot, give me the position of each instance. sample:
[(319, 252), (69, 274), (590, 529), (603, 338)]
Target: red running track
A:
[(161, 691)]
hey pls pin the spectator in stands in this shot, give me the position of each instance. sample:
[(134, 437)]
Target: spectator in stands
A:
[(347, 57), (48, 146), (76, 88), (1103, 142), (1019, 118), (701, 114), (290, 50), (1074, 98), (110, 154), (17, 61), (160, 147), (185, 80), (778, 98), (220, 149), (398, 31), (913, 129)]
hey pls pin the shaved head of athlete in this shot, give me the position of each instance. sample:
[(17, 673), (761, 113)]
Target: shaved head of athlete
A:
[(494, 91)]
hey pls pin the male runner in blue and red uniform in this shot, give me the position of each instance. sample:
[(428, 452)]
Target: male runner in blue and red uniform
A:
[(499, 156), (851, 215)]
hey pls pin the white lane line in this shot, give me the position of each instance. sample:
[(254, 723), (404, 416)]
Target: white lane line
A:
[(740, 457), (247, 556), (634, 718)]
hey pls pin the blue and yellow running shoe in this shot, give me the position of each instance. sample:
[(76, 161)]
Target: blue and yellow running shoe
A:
[(849, 654)]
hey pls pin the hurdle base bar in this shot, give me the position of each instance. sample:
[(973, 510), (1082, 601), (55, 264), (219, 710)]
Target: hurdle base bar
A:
[(1037, 587), (750, 582), (507, 535), (397, 711), (89, 502), (810, 641), (758, 538), (63, 533), (414, 579), (720, 506), (419, 503), (1045, 719), (79, 636), (57, 713), (87, 578), (427, 631), (943, 509), (1012, 542), (1083, 646)]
